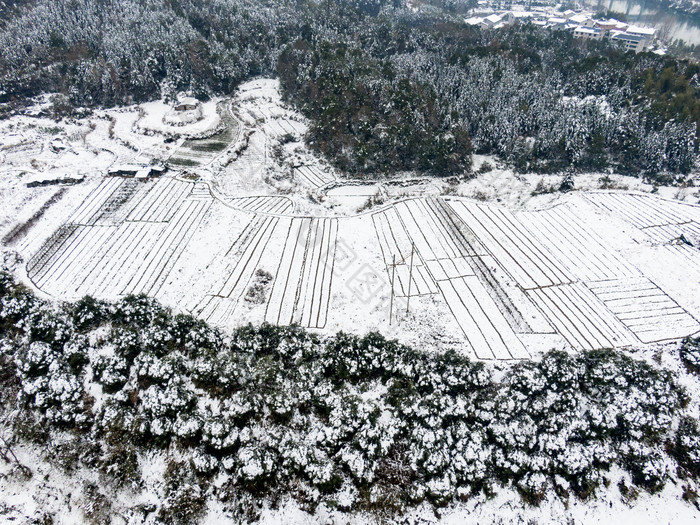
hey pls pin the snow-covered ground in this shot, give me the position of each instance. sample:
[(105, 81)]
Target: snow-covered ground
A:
[(491, 269), (253, 227)]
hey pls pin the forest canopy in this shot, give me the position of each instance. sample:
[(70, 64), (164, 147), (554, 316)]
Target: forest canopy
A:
[(387, 89)]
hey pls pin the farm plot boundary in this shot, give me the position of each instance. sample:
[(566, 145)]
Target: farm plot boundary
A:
[(133, 234), (302, 287), (645, 309)]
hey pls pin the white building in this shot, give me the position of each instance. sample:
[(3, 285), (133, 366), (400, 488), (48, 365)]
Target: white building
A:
[(588, 33), (641, 31), (491, 20), (556, 21), (634, 43), (582, 20)]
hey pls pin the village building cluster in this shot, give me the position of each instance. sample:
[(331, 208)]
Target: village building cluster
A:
[(582, 25)]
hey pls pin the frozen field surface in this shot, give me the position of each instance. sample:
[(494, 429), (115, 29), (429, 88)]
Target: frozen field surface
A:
[(576, 274), (249, 225)]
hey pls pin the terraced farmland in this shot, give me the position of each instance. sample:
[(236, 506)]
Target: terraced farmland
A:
[(199, 152), (123, 239), (507, 277)]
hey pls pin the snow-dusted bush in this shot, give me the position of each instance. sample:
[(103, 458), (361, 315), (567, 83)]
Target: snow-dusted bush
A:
[(88, 313), (185, 498), (50, 384), (163, 410), (137, 311), (126, 342), (111, 371), (354, 422), (686, 446), (690, 354)]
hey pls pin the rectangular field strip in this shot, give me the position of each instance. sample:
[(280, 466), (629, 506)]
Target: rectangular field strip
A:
[(583, 319), (161, 203), (563, 235), (302, 286), (90, 209), (451, 259), (662, 220), (123, 239), (313, 176), (645, 309), (644, 210), (486, 330), (264, 204), (252, 159), (395, 245), (685, 256), (219, 305), (515, 248)]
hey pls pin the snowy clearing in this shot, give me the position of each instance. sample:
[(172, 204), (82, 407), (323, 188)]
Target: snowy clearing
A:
[(249, 226), (502, 274)]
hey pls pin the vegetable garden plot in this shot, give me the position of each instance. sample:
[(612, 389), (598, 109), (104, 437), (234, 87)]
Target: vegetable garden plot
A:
[(150, 275), (314, 176), (648, 212), (264, 204), (107, 258), (244, 256), (91, 208), (515, 248), (645, 309), (686, 256), (486, 330), (450, 259), (49, 249), (302, 286), (583, 319), (201, 190), (560, 232), (280, 126), (116, 208), (395, 245), (673, 233), (292, 126), (161, 203)]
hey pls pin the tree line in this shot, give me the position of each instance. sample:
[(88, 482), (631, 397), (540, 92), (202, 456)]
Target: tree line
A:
[(387, 89)]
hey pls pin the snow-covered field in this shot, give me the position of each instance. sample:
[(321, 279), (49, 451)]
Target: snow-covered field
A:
[(249, 226), (244, 235), (575, 274)]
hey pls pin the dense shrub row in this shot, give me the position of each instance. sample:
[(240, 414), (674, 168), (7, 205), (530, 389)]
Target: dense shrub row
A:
[(355, 422)]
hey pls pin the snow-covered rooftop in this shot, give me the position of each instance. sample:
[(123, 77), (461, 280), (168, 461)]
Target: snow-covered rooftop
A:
[(638, 30), (579, 19), (587, 30), (627, 37), (189, 101)]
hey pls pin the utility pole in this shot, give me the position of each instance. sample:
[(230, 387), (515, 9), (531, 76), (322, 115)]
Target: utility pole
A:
[(410, 278), (393, 271)]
